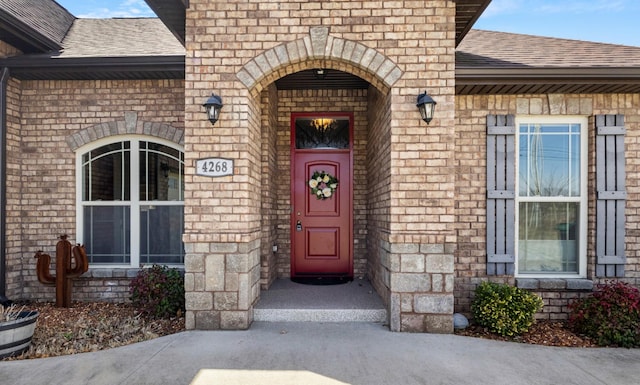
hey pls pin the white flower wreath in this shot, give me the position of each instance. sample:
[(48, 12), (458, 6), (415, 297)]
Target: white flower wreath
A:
[(323, 184)]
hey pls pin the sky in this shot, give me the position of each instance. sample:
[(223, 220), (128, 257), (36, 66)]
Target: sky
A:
[(606, 21)]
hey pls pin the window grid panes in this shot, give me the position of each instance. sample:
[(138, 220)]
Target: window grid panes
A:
[(119, 230), (550, 198), (106, 173), (107, 236), (549, 159)]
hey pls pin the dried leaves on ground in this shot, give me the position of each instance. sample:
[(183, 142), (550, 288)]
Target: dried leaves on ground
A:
[(88, 327), (542, 332)]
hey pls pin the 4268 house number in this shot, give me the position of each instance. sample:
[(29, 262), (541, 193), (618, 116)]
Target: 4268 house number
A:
[(214, 167)]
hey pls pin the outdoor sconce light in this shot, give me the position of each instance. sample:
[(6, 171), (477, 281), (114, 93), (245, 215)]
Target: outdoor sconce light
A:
[(213, 106), (426, 105)]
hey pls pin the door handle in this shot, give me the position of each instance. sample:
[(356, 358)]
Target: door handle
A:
[(298, 226)]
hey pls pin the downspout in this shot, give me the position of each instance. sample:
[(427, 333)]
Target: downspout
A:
[(4, 79)]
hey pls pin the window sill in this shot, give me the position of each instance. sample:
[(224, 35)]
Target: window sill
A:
[(564, 284), (114, 272)]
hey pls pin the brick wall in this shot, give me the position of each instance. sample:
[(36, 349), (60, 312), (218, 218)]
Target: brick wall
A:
[(379, 174), (14, 218), (41, 200), (271, 192), (470, 156), (400, 48), (13, 266)]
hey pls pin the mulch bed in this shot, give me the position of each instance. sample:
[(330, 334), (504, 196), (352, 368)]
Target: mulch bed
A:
[(542, 332), (93, 326), (90, 326)]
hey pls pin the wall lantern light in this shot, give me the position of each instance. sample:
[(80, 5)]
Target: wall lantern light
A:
[(426, 105), (213, 106)]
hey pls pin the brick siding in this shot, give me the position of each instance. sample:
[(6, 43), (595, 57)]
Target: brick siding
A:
[(41, 185), (470, 141)]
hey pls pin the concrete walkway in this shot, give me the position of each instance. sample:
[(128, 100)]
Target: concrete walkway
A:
[(306, 353)]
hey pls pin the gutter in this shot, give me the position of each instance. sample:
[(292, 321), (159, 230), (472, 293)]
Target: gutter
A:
[(471, 75), (4, 79), (76, 68)]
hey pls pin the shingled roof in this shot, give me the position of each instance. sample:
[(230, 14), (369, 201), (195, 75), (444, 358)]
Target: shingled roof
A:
[(119, 37), (34, 25), (107, 49), (505, 63)]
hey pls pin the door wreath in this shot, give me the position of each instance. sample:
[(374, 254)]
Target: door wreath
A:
[(323, 185)]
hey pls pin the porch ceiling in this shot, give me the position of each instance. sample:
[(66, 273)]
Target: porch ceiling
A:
[(334, 79)]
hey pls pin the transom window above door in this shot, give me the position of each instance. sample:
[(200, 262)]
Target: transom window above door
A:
[(131, 202), (321, 132)]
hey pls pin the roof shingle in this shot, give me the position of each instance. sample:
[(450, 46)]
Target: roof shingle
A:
[(490, 49), (47, 18), (120, 37)]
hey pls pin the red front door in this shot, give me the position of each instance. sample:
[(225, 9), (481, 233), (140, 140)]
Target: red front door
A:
[(321, 227)]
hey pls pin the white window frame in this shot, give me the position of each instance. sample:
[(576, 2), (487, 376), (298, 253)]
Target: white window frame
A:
[(133, 204), (583, 121)]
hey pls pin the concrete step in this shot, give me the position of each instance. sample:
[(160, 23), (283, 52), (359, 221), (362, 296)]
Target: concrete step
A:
[(320, 315), (287, 301)]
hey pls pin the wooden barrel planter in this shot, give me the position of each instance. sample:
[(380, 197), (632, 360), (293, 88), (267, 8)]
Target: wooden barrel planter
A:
[(15, 335)]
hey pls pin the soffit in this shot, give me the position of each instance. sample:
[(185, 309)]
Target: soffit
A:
[(173, 15), (467, 12)]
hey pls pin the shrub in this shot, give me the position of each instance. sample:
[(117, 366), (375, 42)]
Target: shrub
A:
[(158, 292), (504, 309), (610, 315)]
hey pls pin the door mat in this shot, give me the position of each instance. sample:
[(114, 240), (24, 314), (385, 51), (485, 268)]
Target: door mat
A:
[(321, 280)]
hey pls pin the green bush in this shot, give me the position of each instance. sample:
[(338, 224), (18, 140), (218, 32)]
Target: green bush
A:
[(610, 315), (504, 309), (158, 292)]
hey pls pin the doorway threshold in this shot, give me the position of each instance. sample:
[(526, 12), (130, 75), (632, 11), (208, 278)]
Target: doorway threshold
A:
[(287, 301)]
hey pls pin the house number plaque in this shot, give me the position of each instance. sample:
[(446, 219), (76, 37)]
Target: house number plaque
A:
[(214, 167)]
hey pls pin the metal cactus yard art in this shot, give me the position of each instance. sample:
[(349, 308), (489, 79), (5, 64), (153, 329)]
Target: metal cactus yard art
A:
[(71, 262)]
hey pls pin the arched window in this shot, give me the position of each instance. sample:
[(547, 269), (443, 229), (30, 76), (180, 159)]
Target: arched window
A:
[(131, 201)]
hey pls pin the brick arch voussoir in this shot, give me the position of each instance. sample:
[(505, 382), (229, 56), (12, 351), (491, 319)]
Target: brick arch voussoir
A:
[(129, 126), (319, 50)]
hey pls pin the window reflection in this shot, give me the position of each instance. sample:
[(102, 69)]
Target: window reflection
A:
[(325, 132)]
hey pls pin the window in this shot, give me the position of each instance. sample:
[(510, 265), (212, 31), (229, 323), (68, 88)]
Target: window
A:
[(130, 202), (326, 132), (551, 199)]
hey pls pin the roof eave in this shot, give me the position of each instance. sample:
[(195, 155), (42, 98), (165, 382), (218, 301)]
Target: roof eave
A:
[(126, 67), (464, 25), (30, 39), (173, 14), (485, 81)]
